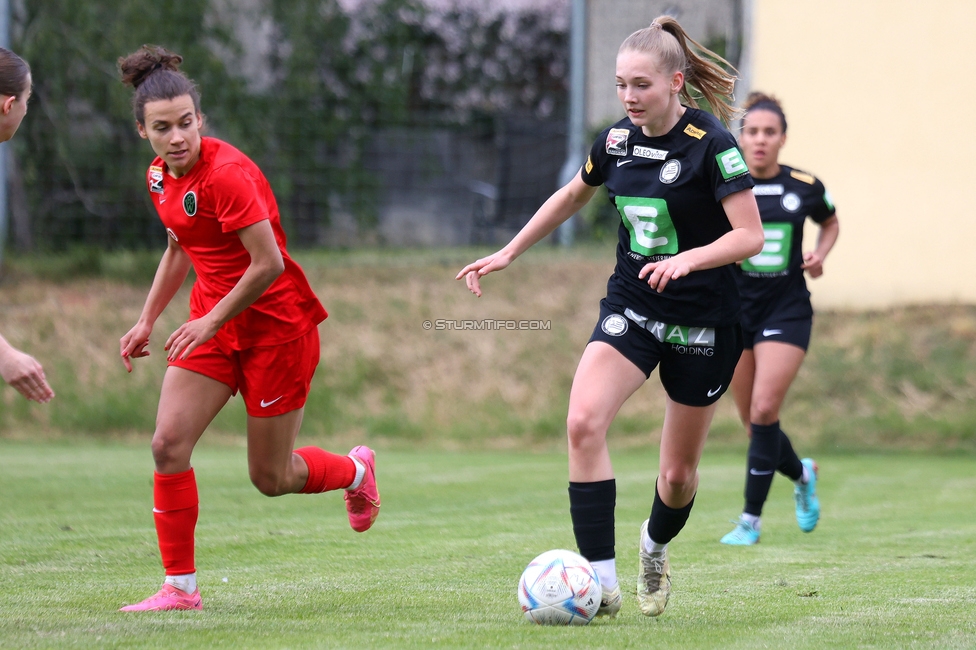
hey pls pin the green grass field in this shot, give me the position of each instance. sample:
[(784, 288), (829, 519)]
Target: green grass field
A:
[(890, 565)]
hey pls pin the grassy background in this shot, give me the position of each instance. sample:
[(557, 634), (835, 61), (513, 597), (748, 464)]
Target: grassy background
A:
[(890, 564), (903, 378)]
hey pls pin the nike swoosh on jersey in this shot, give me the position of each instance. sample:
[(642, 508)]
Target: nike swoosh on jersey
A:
[(772, 332), (712, 393), (162, 201), (265, 405), (621, 163), (756, 472)]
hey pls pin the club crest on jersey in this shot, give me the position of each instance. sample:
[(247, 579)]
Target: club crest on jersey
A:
[(614, 325), (617, 142), (670, 171), (791, 202), (190, 203)]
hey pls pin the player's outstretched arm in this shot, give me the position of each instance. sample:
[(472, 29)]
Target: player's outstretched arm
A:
[(23, 372), (170, 274), (564, 203), (813, 261)]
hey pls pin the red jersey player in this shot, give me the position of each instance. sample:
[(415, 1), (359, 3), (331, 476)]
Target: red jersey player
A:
[(253, 325)]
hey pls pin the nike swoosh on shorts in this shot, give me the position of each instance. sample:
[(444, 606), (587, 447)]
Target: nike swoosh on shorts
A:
[(265, 405), (772, 332)]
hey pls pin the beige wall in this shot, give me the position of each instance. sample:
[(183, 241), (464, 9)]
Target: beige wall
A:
[(880, 96)]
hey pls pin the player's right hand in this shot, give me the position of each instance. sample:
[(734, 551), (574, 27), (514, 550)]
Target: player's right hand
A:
[(473, 272), (23, 372), (133, 345)]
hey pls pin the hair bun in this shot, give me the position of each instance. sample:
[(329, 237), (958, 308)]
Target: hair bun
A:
[(137, 67)]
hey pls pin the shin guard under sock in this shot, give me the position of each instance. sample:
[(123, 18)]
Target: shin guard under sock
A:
[(789, 462), (764, 448), (591, 507), (666, 522), (326, 471), (175, 509)]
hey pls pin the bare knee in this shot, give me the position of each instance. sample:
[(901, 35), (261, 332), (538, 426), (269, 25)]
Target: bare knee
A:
[(764, 410), (171, 453), (584, 430), (679, 479), (268, 483)]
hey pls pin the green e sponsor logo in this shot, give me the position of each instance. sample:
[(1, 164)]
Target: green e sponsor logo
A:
[(731, 163), (649, 222), (775, 255)]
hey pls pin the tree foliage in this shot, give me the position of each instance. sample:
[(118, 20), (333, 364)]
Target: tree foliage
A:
[(297, 84)]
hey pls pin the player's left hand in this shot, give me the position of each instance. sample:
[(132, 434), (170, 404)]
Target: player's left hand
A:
[(189, 336), (658, 274), (812, 264)]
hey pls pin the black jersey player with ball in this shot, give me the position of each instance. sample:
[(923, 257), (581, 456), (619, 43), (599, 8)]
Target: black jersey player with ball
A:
[(687, 214)]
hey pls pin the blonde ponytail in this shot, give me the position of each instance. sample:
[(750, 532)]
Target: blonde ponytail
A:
[(704, 75)]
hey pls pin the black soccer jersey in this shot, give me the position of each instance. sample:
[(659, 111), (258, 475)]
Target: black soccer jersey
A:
[(668, 191), (771, 283)]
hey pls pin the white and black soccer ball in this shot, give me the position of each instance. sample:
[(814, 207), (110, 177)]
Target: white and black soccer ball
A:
[(559, 588)]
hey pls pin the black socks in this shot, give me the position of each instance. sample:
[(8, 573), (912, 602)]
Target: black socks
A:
[(666, 522), (591, 507)]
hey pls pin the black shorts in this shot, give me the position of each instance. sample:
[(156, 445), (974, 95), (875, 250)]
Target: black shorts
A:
[(793, 331), (696, 362)]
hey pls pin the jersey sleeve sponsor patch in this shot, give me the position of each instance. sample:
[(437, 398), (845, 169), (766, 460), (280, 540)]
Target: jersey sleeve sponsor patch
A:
[(695, 132), (829, 200), (617, 142), (730, 163)]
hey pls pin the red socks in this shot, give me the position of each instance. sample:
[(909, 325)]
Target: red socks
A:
[(175, 510), (326, 471), (176, 504)]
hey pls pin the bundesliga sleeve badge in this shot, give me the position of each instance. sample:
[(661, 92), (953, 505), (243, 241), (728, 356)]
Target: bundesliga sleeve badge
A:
[(617, 142)]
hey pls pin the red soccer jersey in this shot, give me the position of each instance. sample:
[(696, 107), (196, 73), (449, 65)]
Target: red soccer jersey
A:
[(224, 192)]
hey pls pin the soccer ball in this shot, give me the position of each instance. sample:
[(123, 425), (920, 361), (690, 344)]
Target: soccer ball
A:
[(559, 588)]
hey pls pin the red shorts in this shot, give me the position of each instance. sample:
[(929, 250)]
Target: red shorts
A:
[(272, 379)]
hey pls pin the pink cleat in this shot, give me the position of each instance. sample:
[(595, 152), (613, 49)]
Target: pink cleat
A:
[(363, 503), (168, 598)]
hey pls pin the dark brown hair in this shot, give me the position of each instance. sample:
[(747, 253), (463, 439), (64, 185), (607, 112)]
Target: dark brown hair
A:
[(672, 46), (759, 101), (13, 74), (155, 74)]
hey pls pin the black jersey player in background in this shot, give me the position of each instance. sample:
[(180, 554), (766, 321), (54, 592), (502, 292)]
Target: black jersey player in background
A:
[(776, 314), (688, 214)]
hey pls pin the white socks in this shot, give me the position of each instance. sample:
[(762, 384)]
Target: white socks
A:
[(360, 473), (805, 478), (752, 520), (606, 571), (186, 583), (650, 546)]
